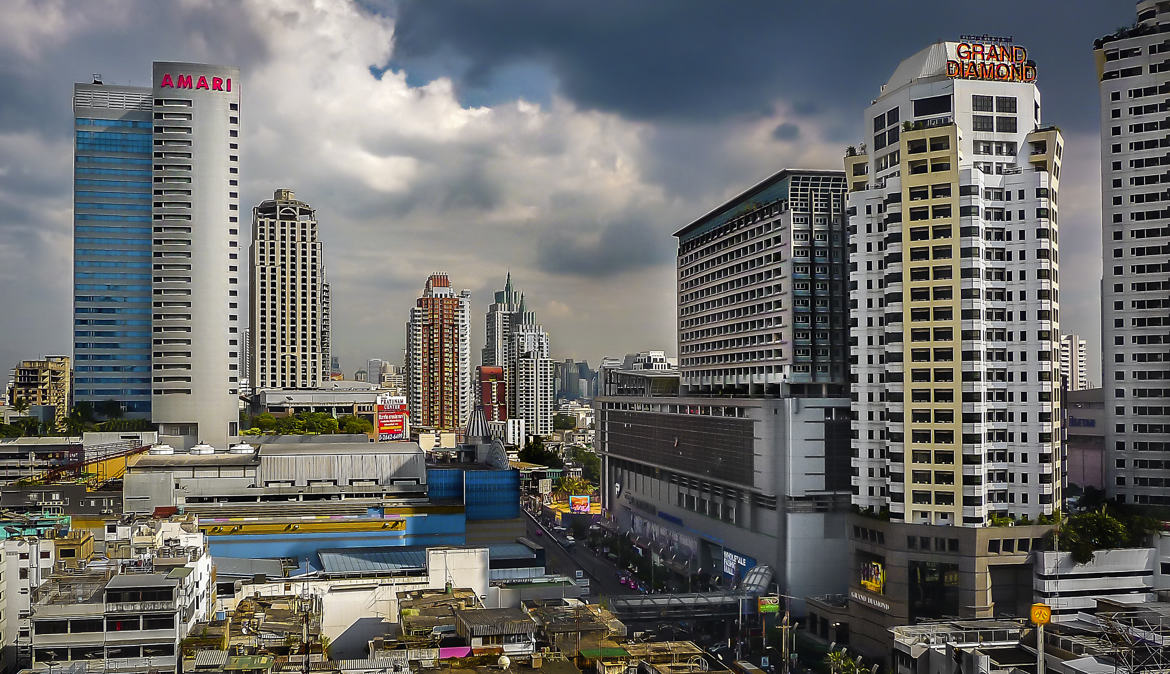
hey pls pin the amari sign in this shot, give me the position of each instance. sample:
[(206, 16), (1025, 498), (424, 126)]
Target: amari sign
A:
[(990, 61), (170, 81)]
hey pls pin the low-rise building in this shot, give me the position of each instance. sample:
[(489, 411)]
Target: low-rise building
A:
[(131, 610), (497, 631)]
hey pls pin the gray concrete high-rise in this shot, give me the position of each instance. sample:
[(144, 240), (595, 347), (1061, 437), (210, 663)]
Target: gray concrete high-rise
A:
[(1135, 290), (289, 299), (195, 251)]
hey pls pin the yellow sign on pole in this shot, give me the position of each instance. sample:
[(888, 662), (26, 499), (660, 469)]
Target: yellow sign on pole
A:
[(1041, 614)]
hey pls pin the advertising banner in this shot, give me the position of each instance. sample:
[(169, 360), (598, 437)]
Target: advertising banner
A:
[(391, 418), (579, 504), (769, 604)]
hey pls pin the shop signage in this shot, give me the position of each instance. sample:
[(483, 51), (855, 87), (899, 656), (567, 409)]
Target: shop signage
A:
[(769, 604), (188, 82), (1041, 614), (868, 600), (990, 61)]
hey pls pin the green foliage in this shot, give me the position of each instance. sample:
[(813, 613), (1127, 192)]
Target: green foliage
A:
[(590, 463), (534, 452), (564, 422), (840, 662), (572, 486), (1083, 534), (349, 423), (20, 405), (304, 423)]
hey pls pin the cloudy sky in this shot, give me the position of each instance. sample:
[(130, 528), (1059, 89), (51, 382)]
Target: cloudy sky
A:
[(564, 141)]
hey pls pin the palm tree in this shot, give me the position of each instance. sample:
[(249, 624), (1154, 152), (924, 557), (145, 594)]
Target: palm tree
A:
[(20, 406)]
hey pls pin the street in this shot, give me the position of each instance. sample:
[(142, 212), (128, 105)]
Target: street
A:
[(602, 575)]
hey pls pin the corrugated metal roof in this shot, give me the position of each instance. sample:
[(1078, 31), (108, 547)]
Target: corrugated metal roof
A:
[(386, 559), (211, 658), (243, 567), (928, 62), (510, 551)]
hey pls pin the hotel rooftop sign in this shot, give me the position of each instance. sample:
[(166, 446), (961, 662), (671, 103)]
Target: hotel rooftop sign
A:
[(989, 59)]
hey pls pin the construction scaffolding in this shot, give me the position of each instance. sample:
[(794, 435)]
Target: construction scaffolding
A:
[(1138, 638)]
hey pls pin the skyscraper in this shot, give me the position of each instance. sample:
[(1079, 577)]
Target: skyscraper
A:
[(955, 338), (515, 341), (112, 245), (156, 228), (1135, 311), (1074, 372), (290, 310), (195, 251), (781, 334), (438, 356)]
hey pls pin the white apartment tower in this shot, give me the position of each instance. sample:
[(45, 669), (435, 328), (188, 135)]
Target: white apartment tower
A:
[(1074, 363), (954, 290), (289, 307), (533, 374), (195, 251), (1135, 222)]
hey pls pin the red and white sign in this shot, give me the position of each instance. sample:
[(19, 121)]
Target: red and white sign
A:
[(391, 418), (180, 81)]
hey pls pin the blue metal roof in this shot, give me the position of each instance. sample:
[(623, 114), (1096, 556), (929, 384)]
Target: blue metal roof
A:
[(387, 559), (510, 551)]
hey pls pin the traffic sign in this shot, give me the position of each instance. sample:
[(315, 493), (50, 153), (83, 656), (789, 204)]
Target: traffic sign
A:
[(1041, 614)]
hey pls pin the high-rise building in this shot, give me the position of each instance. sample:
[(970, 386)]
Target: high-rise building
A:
[(954, 341), (156, 229), (195, 251), (745, 461), (112, 245), (1135, 312), (1074, 363), (46, 381), (335, 368), (956, 324), (493, 392), (533, 374), (289, 308), (438, 356), (499, 325), (520, 345), (761, 299), (374, 371)]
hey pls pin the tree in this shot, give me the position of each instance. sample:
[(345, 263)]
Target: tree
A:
[(110, 409), (564, 422), (534, 452), (264, 421), (20, 405), (353, 424), (1085, 533), (590, 463)]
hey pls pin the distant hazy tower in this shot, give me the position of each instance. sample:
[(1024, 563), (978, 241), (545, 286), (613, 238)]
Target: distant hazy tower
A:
[(195, 251), (438, 356), (289, 298), (1074, 363), (1135, 302)]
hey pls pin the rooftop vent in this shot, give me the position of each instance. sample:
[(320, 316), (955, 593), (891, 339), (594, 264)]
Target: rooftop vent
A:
[(162, 449), (203, 448), (242, 448)]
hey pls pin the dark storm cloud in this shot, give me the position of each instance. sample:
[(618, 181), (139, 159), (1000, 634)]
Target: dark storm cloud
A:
[(699, 60), (786, 131)]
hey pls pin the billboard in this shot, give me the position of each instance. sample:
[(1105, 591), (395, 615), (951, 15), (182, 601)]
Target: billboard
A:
[(872, 575), (579, 504), (391, 418), (544, 485), (769, 604)]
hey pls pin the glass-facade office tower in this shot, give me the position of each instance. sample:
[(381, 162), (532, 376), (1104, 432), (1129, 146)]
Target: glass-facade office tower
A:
[(1135, 290), (112, 246)]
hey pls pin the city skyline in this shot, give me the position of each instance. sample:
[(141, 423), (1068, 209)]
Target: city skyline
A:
[(568, 173)]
